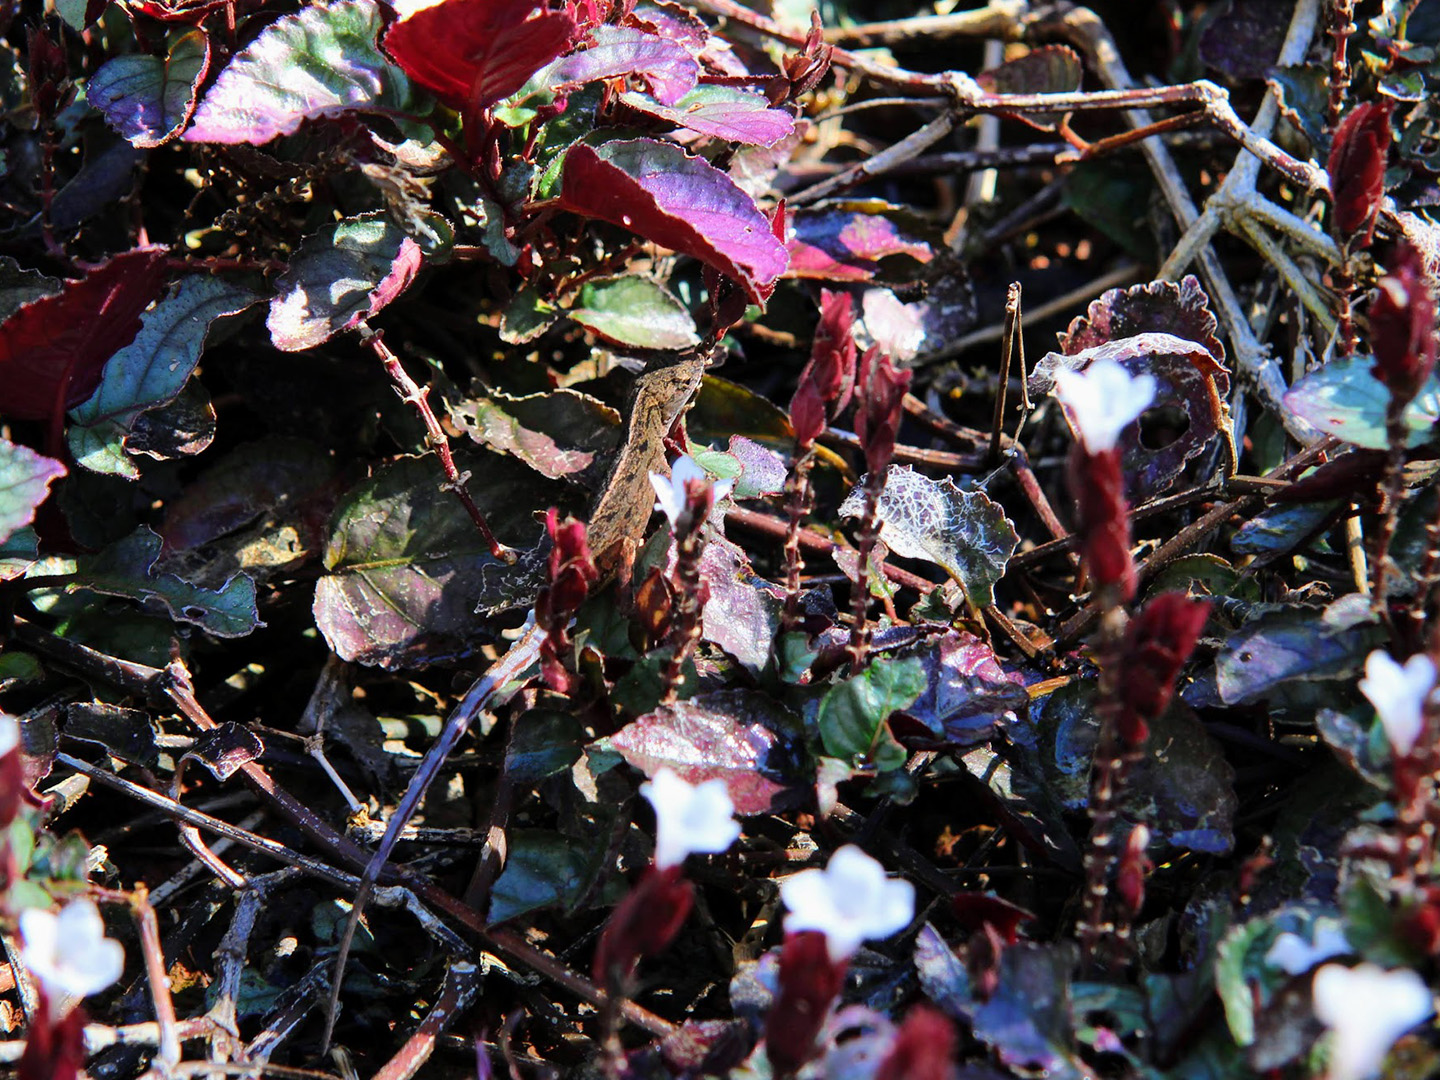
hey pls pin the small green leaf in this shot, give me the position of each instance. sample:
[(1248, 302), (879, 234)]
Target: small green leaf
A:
[(526, 317), (634, 311), (543, 868), (852, 715), (150, 371)]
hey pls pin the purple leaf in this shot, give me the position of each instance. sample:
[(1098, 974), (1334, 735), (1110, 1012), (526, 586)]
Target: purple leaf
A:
[(743, 611), (25, 479), (321, 61), (340, 276), (666, 66), (684, 203), (846, 241), (722, 112), (731, 735), (148, 99), (967, 693)]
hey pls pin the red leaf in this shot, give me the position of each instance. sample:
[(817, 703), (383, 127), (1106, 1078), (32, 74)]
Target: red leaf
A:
[(53, 350), (473, 53), (1357, 168), (1402, 326), (683, 203)]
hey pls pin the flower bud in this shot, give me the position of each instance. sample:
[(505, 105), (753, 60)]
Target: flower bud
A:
[(1357, 168), (1402, 327), (810, 981)]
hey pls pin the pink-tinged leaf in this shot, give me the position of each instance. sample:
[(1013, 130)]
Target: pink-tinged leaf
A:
[(743, 611), (673, 22), (967, 695), (25, 479), (340, 276), (847, 241), (730, 735), (722, 112), (473, 53), (53, 350), (666, 66), (681, 202), (321, 61), (148, 99)]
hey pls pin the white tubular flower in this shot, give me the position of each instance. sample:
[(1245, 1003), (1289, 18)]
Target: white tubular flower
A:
[(850, 901), (68, 953), (670, 491), (1366, 1009), (690, 819), (1398, 694), (1293, 955), (1103, 399), (9, 733)]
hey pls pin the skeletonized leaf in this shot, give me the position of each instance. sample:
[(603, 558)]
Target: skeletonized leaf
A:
[(965, 532)]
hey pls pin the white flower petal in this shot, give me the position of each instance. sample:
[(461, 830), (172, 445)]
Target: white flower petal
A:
[(9, 733), (689, 819), (670, 491), (1367, 1009), (1293, 955), (69, 953), (1398, 694), (1103, 400), (850, 901)]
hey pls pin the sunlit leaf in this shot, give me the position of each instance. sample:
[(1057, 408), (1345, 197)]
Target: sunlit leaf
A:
[(853, 716), (634, 311), (1345, 399), (666, 66), (148, 99), (25, 479), (722, 112), (559, 433)]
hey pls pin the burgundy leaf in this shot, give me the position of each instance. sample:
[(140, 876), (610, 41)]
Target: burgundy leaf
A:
[(473, 53), (666, 66), (53, 350), (684, 203), (730, 735), (1357, 168), (1402, 326)]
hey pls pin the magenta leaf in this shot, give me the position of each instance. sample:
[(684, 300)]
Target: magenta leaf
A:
[(341, 276), (53, 349), (684, 203), (473, 53), (722, 112), (730, 735), (25, 479), (666, 66), (148, 99), (847, 241), (967, 696), (321, 61)]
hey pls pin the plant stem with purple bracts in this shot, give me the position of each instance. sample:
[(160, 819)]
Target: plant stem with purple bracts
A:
[(868, 533), (1342, 25), (419, 396), (690, 592), (799, 498)]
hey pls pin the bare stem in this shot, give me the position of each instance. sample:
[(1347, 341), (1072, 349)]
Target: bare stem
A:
[(869, 532), (1390, 488), (799, 496)]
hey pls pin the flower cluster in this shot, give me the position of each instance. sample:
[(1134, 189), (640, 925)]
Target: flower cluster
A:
[(1357, 170), (1157, 643), (687, 488)]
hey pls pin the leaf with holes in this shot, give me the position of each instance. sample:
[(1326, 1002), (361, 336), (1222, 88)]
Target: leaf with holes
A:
[(148, 99), (25, 479), (127, 568), (52, 350), (1345, 399), (150, 372), (743, 611), (721, 112), (559, 433), (739, 736), (473, 53), (320, 62), (965, 532), (658, 191), (634, 311), (341, 276)]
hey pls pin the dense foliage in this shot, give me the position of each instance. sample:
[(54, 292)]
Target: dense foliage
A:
[(657, 539)]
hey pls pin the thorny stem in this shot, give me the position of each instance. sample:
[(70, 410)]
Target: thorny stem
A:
[(1342, 25), (868, 533), (419, 396), (1425, 580), (1390, 488), (799, 496)]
